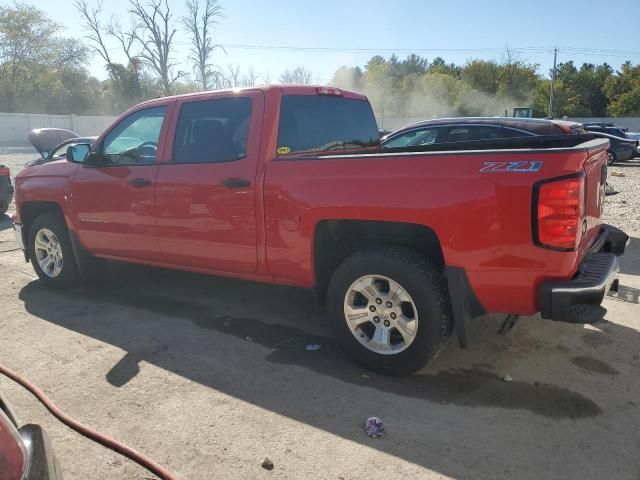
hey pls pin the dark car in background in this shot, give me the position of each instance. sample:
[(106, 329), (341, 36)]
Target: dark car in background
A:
[(620, 149), (447, 130), (620, 138), (609, 128), (25, 450), (52, 143), (6, 190)]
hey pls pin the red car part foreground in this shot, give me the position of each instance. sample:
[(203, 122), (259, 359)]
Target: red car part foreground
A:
[(289, 185)]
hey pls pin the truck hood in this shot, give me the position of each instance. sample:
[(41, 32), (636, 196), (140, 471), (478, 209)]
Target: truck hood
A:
[(46, 139)]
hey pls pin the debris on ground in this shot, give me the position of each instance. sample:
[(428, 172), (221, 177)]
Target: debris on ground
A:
[(312, 347), (507, 378), (374, 427), (248, 339), (617, 174), (267, 464), (365, 376)]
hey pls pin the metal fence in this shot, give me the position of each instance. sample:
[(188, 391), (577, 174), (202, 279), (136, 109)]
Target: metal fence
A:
[(14, 127)]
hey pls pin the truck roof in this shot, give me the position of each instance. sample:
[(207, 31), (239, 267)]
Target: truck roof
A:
[(283, 89)]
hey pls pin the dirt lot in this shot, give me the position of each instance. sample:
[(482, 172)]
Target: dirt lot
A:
[(210, 375)]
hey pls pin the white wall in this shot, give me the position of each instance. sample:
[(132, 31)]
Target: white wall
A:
[(14, 127)]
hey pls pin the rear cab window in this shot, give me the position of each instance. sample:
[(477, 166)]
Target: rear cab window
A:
[(323, 123)]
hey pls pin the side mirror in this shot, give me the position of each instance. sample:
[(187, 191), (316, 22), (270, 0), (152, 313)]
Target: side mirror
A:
[(78, 153)]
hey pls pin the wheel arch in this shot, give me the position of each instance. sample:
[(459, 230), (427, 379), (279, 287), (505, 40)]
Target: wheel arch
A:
[(30, 210), (335, 240)]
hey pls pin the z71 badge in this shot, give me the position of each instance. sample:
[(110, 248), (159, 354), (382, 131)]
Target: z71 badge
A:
[(525, 166)]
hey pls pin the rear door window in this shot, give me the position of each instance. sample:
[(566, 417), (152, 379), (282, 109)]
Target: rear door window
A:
[(323, 123), (212, 131)]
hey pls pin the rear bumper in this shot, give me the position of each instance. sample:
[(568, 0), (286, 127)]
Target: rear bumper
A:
[(571, 300)]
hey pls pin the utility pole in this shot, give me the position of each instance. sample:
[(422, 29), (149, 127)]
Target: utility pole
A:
[(553, 79)]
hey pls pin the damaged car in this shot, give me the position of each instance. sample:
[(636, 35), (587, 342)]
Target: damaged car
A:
[(52, 143)]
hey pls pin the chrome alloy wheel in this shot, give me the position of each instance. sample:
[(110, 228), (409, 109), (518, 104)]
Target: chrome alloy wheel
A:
[(381, 314), (48, 252)]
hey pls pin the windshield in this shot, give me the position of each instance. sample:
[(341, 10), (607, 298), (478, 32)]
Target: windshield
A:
[(324, 123)]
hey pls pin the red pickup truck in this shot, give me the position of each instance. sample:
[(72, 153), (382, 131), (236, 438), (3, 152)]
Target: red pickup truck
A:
[(288, 184)]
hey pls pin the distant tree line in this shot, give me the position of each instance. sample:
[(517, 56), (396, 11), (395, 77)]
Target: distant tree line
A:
[(415, 86), (42, 71)]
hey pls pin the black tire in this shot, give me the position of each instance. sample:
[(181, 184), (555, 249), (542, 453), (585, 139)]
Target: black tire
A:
[(611, 157), (427, 288), (68, 275)]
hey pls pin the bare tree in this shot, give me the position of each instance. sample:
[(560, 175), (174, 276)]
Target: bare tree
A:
[(298, 75), (126, 38), (267, 77), (250, 79), (233, 79), (201, 16), (155, 35), (92, 25)]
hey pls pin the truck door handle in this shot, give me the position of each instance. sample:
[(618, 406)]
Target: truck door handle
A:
[(139, 182), (236, 183)]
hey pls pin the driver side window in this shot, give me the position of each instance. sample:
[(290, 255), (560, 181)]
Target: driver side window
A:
[(135, 140)]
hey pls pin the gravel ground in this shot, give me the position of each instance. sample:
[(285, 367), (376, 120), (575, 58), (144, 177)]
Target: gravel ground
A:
[(621, 209), (209, 376)]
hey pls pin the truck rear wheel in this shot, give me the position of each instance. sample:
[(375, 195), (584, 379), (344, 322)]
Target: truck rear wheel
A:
[(50, 251), (389, 309)]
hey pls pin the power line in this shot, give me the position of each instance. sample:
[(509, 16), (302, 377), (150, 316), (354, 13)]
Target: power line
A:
[(479, 50)]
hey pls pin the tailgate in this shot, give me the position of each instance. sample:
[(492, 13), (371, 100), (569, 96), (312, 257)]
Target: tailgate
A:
[(595, 169)]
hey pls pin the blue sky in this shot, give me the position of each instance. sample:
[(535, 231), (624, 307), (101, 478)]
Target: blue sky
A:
[(586, 31)]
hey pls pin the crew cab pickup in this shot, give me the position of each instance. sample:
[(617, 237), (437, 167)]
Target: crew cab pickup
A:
[(289, 184)]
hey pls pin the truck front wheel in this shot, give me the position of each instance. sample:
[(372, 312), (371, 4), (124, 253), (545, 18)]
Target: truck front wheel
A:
[(50, 251), (389, 309)]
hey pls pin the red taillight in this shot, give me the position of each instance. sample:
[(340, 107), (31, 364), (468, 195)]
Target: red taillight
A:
[(329, 91), (559, 213), (13, 458)]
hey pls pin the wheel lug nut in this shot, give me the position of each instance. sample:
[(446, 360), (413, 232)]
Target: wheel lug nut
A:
[(393, 315), (378, 301), (376, 319), (372, 308), (389, 304), (387, 323)]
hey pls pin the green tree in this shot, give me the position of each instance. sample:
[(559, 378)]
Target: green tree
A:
[(482, 75), (623, 91), (36, 62)]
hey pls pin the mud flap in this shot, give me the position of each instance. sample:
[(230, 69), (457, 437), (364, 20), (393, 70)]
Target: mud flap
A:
[(464, 303)]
